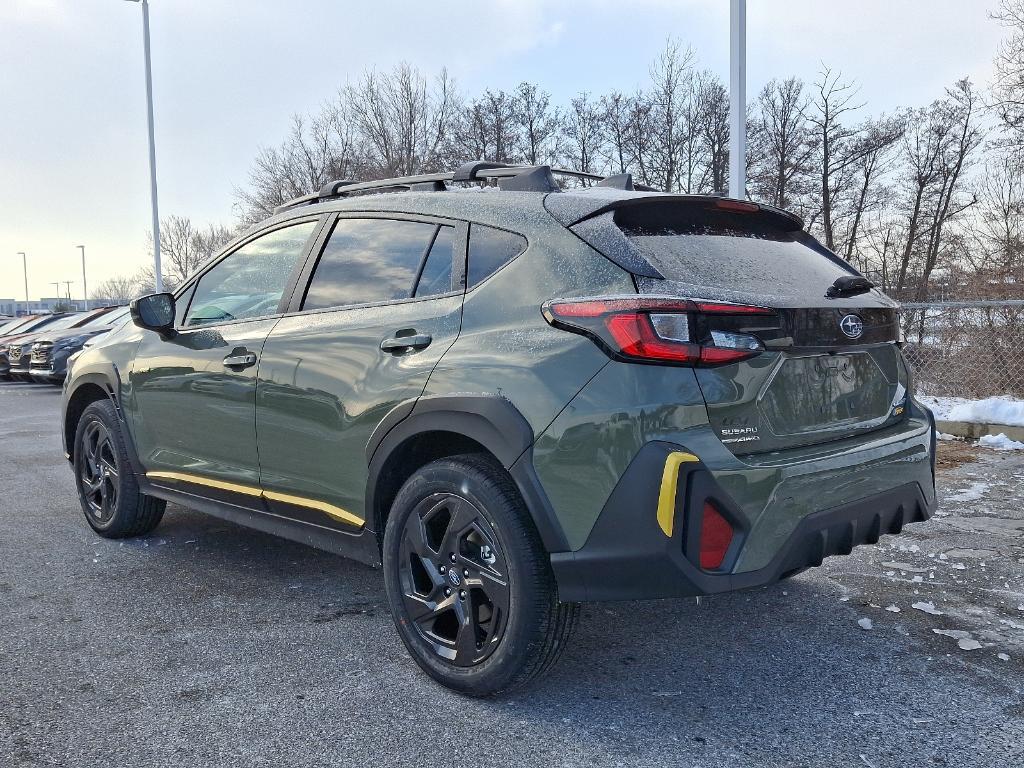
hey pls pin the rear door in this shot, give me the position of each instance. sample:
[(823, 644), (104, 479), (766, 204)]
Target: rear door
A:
[(831, 368), (377, 306)]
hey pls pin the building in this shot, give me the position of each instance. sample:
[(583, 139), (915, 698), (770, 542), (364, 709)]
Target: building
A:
[(45, 304)]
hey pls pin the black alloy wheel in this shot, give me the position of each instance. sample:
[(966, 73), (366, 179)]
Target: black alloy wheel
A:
[(468, 579), (99, 472), (108, 488), (454, 579)]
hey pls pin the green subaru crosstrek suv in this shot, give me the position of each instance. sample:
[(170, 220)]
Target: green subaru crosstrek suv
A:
[(514, 401)]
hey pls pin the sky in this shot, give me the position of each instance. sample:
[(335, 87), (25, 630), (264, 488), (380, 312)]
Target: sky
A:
[(228, 75)]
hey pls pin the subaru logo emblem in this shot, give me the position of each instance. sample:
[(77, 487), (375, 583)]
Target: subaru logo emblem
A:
[(453, 577), (852, 326)]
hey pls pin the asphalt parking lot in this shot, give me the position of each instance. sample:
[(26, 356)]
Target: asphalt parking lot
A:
[(208, 644)]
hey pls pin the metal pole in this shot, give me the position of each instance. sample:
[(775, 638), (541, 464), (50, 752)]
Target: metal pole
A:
[(24, 267), (85, 289), (738, 99), (152, 148)]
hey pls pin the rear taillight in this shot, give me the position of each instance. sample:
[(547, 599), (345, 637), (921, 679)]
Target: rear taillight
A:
[(715, 538), (666, 331)]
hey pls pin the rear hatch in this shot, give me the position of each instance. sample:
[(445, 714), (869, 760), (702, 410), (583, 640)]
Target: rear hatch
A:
[(830, 367)]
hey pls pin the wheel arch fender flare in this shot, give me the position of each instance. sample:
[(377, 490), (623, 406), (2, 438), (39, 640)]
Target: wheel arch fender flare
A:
[(110, 382), (490, 420)]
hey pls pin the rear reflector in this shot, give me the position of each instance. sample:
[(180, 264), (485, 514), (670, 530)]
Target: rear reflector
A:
[(715, 538)]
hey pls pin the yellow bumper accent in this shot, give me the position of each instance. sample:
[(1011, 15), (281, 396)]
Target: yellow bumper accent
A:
[(248, 490), (669, 483)]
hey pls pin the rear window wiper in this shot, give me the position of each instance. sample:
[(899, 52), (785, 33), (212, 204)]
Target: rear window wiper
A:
[(848, 285)]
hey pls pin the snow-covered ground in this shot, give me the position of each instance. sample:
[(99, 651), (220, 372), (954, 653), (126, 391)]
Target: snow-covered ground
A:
[(991, 410)]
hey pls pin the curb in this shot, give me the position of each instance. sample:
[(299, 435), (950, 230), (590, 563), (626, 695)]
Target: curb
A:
[(974, 431)]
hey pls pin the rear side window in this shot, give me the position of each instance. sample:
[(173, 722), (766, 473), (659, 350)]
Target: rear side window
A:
[(436, 276), (723, 249), (489, 250), (372, 260)]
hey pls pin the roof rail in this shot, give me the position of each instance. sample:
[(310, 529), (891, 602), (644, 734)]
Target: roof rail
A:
[(528, 178)]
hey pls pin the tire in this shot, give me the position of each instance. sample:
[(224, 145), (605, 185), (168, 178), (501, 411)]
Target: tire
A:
[(478, 638), (107, 488)]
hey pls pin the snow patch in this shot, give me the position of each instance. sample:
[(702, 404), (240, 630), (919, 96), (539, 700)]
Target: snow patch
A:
[(972, 493), (1000, 442), (927, 608), (991, 410), (963, 639), (865, 623)]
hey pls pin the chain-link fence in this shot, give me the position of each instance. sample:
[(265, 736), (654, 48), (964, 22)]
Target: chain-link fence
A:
[(966, 349)]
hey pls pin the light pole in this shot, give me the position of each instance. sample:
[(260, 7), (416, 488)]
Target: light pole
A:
[(738, 99), (85, 289), (24, 267), (152, 144), (56, 285)]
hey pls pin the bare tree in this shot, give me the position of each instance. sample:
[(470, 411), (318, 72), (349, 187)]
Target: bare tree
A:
[(671, 74), (488, 128), (185, 246), (781, 144), (868, 194), (538, 124), (615, 110), (937, 147), (119, 289), (583, 138), (403, 120), (317, 149), (1008, 82), (713, 128)]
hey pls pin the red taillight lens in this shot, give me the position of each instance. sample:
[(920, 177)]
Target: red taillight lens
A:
[(657, 329), (637, 338), (715, 537)]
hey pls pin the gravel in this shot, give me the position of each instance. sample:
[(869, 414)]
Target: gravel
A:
[(209, 644)]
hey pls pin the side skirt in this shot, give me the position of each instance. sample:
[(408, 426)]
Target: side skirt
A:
[(361, 546)]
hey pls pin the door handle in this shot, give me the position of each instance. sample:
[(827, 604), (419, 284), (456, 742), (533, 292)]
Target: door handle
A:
[(243, 360), (402, 343)]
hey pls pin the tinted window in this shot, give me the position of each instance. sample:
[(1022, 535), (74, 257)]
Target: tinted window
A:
[(436, 277), (368, 260), (489, 250), (250, 281)]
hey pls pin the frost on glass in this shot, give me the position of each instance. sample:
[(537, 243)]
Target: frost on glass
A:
[(737, 261)]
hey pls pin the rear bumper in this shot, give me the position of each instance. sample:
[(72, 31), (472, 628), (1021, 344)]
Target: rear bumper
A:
[(629, 556)]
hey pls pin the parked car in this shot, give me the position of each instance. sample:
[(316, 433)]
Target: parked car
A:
[(16, 330), (19, 353), (51, 350), (514, 402)]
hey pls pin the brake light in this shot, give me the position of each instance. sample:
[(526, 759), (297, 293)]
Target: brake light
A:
[(715, 538), (659, 330), (740, 206)]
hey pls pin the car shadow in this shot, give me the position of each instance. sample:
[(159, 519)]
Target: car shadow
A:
[(785, 665)]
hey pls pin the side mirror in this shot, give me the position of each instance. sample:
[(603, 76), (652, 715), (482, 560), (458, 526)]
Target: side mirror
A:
[(154, 312)]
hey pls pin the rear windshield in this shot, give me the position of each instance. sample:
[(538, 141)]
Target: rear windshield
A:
[(733, 251)]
